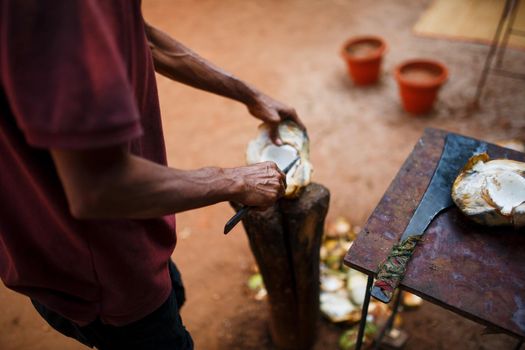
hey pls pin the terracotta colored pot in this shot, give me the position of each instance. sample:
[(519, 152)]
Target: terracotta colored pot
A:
[(363, 57), (419, 81)]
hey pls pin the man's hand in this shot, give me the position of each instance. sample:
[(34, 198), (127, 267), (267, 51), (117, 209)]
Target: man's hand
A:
[(111, 183), (263, 184), (272, 112), (175, 61)]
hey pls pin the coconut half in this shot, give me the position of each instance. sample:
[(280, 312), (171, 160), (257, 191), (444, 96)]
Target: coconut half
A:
[(337, 308), (356, 285), (491, 192), (295, 143)]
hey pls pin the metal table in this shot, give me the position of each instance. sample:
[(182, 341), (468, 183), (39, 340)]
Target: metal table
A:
[(475, 271)]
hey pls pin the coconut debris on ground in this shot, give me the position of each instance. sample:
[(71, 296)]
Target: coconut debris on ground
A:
[(343, 289)]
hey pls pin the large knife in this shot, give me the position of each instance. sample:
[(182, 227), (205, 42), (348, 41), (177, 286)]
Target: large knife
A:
[(456, 152)]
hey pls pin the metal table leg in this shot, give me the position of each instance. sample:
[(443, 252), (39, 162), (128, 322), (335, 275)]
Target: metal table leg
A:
[(388, 325), (495, 42), (510, 24), (364, 313)]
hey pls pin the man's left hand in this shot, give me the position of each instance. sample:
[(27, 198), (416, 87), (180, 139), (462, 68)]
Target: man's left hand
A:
[(271, 111)]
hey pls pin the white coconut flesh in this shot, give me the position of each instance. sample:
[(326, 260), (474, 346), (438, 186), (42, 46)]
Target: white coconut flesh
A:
[(331, 283), (281, 155), (356, 285), (506, 190), (336, 306), (492, 192), (295, 143)]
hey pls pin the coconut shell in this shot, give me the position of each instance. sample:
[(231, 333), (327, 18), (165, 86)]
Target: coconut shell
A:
[(295, 143), (491, 192)]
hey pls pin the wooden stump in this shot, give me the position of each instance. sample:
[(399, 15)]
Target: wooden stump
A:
[(285, 240)]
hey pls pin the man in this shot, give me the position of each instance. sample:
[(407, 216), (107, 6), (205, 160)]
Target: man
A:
[(85, 230)]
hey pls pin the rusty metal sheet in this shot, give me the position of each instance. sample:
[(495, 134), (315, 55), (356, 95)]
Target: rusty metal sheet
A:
[(475, 271)]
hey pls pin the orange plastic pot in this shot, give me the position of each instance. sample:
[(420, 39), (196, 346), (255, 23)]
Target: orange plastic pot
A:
[(363, 56), (419, 81)]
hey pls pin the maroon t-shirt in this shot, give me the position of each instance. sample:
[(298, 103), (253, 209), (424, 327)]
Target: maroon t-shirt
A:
[(77, 74)]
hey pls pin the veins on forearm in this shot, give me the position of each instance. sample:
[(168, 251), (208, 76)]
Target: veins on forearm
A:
[(145, 190), (175, 61)]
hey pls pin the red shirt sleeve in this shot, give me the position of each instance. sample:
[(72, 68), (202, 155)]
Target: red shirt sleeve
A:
[(66, 74)]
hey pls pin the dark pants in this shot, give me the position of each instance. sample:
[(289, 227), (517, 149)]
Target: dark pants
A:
[(162, 329)]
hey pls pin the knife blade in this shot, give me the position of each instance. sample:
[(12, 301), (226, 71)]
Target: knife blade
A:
[(244, 209), (437, 197)]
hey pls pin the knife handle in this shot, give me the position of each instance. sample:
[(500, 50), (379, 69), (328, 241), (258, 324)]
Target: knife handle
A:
[(392, 270)]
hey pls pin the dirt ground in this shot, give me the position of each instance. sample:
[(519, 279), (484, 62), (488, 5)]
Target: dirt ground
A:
[(359, 139)]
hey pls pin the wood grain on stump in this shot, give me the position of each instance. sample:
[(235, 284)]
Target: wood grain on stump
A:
[(285, 240)]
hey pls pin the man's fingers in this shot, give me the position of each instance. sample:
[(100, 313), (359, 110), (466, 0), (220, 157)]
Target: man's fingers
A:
[(281, 179), (268, 184), (274, 135), (259, 208), (282, 188), (282, 183), (290, 113)]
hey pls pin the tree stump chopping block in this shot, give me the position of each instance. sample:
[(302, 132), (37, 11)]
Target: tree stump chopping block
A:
[(285, 240)]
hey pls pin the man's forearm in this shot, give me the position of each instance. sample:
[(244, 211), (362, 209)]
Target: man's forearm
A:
[(175, 61), (137, 188), (111, 183), (148, 190)]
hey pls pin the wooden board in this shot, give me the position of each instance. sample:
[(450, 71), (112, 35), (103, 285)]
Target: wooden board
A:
[(468, 20), (476, 271)]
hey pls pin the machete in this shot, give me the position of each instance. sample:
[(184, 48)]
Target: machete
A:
[(457, 150)]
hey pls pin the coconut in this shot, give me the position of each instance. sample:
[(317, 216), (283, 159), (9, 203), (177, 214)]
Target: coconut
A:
[(339, 228), (295, 143), (337, 308), (331, 283), (491, 192), (348, 340), (356, 285), (411, 301)]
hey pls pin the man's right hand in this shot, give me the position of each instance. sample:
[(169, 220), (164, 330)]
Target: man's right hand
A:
[(110, 183), (262, 184)]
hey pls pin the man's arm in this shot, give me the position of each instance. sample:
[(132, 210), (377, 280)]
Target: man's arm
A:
[(175, 61), (112, 183)]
